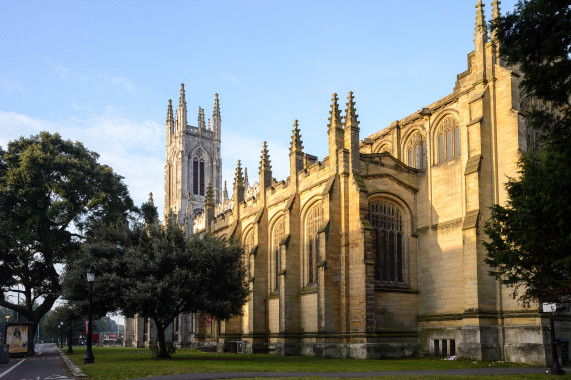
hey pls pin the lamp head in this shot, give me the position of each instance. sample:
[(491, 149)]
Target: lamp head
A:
[(90, 275)]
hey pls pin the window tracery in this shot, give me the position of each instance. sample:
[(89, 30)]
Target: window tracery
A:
[(448, 138), (387, 220), (248, 247), (313, 222), (416, 151), (277, 236), (198, 173)]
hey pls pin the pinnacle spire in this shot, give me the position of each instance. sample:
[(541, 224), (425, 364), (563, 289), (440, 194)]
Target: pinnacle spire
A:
[(238, 177), (151, 202), (335, 113), (265, 159), (182, 98), (296, 143), (496, 9), (480, 30), (351, 113), (209, 127), (216, 109), (170, 117), (201, 118), (225, 191), (246, 184), (181, 110)]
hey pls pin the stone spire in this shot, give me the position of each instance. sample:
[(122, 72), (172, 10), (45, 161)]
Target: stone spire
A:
[(295, 154), (495, 15), (170, 118), (296, 143), (265, 160), (209, 128), (351, 133), (225, 192), (201, 124), (246, 183), (351, 113), (481, 30), (151, 202), (216, 119), (238, 184), (181, 111), (335, 132), (170, 122), (496, 9), (265, 173), (335, 121)]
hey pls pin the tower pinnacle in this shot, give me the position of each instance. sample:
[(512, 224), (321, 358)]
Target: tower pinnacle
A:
[(296, 143), (481, 30), (170, 118), (216, 109), (351, 113), (201, 124), (181, 111), (334, 114), (265, 159)]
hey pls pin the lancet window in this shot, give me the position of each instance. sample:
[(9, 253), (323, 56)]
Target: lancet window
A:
[(248, 247), (416, 149), (278, 234), (198, 173), (313, 222), (448, 138), (386, 219)]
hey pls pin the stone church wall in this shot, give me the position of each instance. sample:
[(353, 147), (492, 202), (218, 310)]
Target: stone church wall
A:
[(330, 294)]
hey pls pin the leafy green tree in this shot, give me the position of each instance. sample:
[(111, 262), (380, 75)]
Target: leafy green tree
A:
[(58, 323), (51, 192), (529, 245), (103, 250)]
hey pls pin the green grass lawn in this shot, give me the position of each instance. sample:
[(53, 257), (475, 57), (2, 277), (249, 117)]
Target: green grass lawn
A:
[(129, 363)]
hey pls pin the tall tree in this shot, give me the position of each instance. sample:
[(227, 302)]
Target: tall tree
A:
[(168, 274), (51, 192), (103, 250), (529, 245)]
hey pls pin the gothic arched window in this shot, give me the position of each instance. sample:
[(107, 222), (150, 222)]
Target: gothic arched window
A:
[(248, 247), (313, 221), (278, 234), (416, 149), (198, 173), (386, 219), (448, 137)]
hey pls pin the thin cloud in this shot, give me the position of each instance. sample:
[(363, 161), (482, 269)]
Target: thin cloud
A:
[(131, 148), (124, 84), (11, 87)]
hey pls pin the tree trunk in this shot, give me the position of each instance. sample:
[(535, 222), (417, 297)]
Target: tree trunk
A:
[(32, 337), (163, 352)]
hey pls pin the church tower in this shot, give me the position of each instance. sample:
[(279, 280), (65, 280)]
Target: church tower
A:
[(192, 161)]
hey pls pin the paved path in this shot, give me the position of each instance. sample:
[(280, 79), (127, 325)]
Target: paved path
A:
[(45, 365)]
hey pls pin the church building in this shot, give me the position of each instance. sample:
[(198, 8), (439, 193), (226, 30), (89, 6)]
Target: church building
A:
[(375, 250)]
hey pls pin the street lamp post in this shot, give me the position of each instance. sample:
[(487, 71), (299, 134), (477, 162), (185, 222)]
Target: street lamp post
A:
[(60, 335), (88, 358)]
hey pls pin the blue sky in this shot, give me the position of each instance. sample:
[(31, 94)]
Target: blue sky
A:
[(101, 72)]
